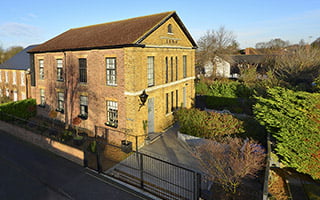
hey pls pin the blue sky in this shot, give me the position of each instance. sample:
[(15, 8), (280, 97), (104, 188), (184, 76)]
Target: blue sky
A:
[(35, 21)]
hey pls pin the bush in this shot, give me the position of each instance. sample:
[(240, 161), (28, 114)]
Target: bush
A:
[(225, 94), (207, 125), (24, 109), (292, 118)]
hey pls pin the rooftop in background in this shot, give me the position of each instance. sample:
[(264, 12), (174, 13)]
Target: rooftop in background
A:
[(129, 32), (20, 61)]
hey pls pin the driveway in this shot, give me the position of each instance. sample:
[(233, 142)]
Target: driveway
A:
[(29, 172)]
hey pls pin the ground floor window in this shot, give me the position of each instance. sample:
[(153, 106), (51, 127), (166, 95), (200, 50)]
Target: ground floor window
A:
[(83, 107), (112, 114), (60, 107), (42, 98)]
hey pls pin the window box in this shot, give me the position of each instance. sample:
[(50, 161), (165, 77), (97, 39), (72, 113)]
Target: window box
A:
[(83, 117), (60, 110), (111, 124)]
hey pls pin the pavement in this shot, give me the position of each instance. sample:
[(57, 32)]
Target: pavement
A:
[(29, 172), (170, 148)]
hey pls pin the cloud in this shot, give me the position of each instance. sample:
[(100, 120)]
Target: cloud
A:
[(18, 29), (12, 34)]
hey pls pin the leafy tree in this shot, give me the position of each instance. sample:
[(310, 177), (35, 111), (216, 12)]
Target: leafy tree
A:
[(293, 119), (7, 54)]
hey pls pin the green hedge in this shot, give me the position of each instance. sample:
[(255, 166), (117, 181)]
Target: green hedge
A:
[(293, 119), (23, 109), (207, 124), (222, 94)]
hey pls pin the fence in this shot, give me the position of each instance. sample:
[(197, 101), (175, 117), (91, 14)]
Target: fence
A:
[(107, 153), (161, 178)]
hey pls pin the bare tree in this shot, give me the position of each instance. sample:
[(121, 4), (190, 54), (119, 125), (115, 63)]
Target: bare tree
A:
[(276, 43), (228, 162), (216, 44), (298, 68)]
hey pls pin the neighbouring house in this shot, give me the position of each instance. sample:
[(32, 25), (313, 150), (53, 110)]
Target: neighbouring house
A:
[(233, 69), (102, 72), (222, 68), (14, 76)]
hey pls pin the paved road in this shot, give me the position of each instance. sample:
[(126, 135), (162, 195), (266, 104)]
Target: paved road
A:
[(28, 172)]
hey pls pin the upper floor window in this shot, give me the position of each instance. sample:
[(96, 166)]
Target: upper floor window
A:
[(41, 70), (176, 68), (150, 71), (83, 70), (6, 76), (170, 28), (59, 70), (171, 68), (167, 70), (184, 66), (14, 77), (83, 107), (22, 78), (111, 71)]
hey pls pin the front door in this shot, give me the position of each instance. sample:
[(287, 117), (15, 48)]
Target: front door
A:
[(150, 115)]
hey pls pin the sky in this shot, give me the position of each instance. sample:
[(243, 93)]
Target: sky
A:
[(23, 23)]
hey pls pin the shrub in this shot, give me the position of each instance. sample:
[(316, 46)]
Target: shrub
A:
[(207, 125), (230, 161), (23, 109), (293, 119)]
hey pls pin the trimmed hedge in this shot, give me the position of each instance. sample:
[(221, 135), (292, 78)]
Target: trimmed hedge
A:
[(207, 124), (23, 109)]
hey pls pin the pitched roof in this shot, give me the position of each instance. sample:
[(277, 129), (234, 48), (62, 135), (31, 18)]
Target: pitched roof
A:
[(129, 32), (20, 61), (249, 59)]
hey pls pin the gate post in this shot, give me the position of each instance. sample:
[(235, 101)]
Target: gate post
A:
[(197, 185), (141, 171)]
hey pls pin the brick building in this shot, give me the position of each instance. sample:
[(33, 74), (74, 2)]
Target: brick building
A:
[(14, 76), (98, 73)]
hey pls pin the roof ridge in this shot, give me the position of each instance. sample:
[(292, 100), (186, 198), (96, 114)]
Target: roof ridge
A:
[(122, 20)]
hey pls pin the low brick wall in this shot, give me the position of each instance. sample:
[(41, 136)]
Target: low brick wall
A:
[(68, 152)]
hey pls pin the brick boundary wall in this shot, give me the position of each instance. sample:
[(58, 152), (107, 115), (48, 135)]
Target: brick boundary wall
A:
[(65, 151)]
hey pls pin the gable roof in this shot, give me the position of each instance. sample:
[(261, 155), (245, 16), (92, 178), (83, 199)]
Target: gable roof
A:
[(20, 61), (129, 32)]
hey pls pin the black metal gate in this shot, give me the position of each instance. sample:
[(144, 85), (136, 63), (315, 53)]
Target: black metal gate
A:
[(160, 178)]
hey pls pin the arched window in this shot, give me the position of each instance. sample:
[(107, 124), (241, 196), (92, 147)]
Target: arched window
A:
[(170, 28)]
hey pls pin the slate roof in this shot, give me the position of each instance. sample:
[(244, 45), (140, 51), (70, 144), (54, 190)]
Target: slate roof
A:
[(20, 61), (252, 59), (129, 32)]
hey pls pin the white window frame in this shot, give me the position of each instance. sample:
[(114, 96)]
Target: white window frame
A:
[(112, 113), (84, 106), (22, 78), (14, 77), (42, 97), (41, 69), (111, 71), (150, 71), (7, 76), (59, 63)]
